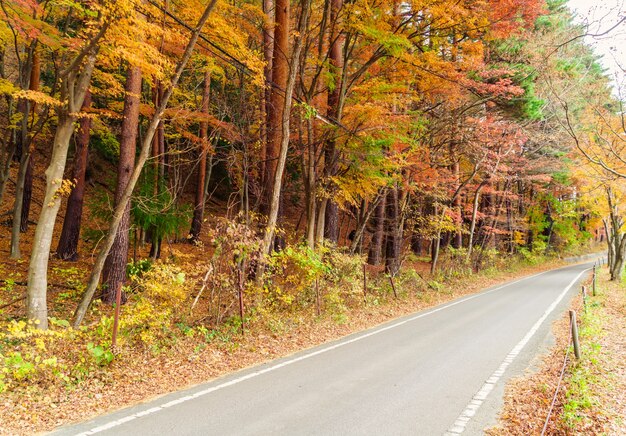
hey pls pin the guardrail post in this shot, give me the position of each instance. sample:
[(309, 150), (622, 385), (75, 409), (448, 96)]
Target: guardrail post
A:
[(584, 292), (572, 317), (594, 279)]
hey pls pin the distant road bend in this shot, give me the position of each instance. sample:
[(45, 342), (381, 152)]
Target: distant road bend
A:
[(439, 371)]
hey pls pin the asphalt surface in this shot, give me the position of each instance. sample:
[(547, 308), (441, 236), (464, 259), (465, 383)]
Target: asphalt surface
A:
[(434, 372)]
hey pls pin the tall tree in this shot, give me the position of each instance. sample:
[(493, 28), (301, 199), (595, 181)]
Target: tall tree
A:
[(75, 77), (277, 105), (70, 234), (25, 138), (114, 273), (335, 102), (198, 212)]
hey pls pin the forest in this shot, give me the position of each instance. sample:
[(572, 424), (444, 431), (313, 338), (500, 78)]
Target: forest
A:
[(197, 170)]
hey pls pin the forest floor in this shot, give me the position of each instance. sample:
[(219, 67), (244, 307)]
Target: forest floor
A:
[(592, 397), (136, 375)]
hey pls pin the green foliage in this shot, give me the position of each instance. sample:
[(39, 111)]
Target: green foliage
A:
[(105, 144), (100, 354), (135, 270), (159, 213), (19, 368)]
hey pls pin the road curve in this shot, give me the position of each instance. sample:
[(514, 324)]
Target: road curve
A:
[(439, 371)]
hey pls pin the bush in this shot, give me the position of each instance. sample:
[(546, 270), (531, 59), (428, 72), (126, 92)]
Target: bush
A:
[(159, 303)]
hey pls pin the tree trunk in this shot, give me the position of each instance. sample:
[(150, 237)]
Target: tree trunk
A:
[(35, 75), (392, 243), (285, 123), (335, 56), (470, 243), (375, 254), (280, 77), (114, 273), (319, 225), (311, 181), (268, 50), (7, 151), (68, 242), (609, 243), (28, 191), (19, 203), (36, 301), (198, 212), (457, 236), (24, 185)]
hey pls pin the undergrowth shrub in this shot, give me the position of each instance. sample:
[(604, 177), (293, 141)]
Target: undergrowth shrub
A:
[(301, 277), (236, 250), (158, 302), (293, 273), (60, 355)]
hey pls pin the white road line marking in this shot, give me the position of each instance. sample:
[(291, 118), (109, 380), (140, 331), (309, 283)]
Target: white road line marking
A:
[(111, 424), (479, 398)]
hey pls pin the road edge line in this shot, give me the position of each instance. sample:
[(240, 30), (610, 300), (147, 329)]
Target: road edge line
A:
[(479, 398)]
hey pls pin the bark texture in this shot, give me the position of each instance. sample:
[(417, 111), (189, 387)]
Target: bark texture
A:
[(335, 56), (280, 76), (375, 254), (114, 273), (68, 242), (392, 240)]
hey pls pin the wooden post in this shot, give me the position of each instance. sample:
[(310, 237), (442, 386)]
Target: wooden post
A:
[(572, 317), (584, 292), (594, 280)]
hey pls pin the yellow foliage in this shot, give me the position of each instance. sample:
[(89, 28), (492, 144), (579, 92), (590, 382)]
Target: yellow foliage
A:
[(149, 315)]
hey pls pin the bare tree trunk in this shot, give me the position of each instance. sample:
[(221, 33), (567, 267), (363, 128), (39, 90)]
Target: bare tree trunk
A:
[(392, 244), (284, 146), (24, 185), (7, 149), (28, 191), (470, 244), (311, 181), (19, 202), (277, 107), (617, 253), (35, 75), (118, 213), (68, 242), (375, 254), (198, 212), (335, 56), (114, 273), (75, 78), (268, 50), (609, 243), (319, 226), (457, 237)]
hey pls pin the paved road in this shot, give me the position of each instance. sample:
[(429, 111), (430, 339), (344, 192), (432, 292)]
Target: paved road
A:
[(435, 372)]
